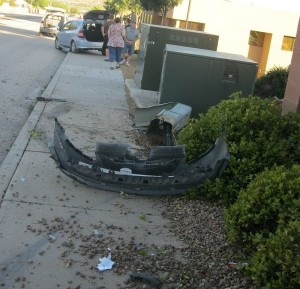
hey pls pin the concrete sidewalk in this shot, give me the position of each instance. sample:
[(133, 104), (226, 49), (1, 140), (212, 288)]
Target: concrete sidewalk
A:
[(47, 220)]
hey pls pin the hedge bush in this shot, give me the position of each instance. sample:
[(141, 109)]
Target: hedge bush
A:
[(272, 199), (264, 220), (273, 83), (276, 264), (258, 136)]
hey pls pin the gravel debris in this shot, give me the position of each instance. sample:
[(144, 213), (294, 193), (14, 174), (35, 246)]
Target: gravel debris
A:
[(206, 260)]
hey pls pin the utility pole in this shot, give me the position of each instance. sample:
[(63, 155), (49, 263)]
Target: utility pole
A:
[(188, 14)]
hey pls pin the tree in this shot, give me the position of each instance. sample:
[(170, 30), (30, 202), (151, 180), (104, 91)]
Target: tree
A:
[(162, 6), (115, 6), (59, 4), (135, 6), (40, 3), (12, 3), (122, 6), (73, 10)]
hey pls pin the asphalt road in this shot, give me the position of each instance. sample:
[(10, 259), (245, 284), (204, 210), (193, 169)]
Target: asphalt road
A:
[(27, 64)]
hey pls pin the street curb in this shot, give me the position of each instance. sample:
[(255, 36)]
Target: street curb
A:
[(129, 83), (15, 154), (142, 98)]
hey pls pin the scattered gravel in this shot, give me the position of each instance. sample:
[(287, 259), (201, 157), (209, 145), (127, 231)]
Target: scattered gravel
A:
[(205, 261), (212, 260)]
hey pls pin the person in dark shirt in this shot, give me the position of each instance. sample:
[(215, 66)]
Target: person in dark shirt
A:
[(104, 30)]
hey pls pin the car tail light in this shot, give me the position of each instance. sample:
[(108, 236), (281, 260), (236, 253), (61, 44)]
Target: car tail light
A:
[(80, 34)]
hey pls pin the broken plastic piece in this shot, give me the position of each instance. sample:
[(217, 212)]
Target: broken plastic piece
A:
[(176, 114), (163, 119), (105, 263), (235, 264), (139, 247), (52, 238), (97, 233)]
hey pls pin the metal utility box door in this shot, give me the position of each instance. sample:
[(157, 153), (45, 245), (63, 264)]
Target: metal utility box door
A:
[(202, 78), (152, 44)]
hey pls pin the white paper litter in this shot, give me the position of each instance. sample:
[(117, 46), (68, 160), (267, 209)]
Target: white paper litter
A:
[(105, 263)]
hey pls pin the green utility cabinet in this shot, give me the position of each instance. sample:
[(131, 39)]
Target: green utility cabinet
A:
[(202, 78), (152, 44)]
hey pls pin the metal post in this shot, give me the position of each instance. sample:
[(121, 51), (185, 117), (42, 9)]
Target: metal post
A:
[(188, 14)]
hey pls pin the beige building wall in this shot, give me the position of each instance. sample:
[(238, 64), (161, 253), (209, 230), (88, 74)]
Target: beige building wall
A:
[(233, 23), (291, 100)]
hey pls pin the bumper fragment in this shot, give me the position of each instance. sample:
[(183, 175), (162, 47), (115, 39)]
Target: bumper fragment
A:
[(164, 172)]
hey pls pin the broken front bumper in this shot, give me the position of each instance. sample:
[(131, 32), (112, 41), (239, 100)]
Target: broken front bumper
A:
[(114, 169)]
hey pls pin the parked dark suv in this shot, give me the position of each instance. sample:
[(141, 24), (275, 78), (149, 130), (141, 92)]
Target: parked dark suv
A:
[(82, 34)]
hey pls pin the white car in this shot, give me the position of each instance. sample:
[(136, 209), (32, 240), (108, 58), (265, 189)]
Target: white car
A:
[(52, 21), (82, 34)]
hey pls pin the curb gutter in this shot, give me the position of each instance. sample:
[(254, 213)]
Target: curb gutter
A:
[(15, 154)]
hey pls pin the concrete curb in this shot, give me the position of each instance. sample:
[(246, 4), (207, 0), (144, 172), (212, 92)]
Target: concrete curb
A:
[(142, 98), (13, 158)]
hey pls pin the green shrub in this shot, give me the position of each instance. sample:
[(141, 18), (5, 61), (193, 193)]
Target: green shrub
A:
[(258, 137), (270, 200), (273, 83), (276, 264), (12, 3)]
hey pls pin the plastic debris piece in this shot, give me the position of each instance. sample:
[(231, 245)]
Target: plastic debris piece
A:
[(232, 264), (105, 263), (146, 278), (23, 179), (152, 253), (52, 238), (139, 247), (67, 263), (235, 264)]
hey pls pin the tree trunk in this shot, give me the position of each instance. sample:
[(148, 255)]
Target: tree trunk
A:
[(164, 15)]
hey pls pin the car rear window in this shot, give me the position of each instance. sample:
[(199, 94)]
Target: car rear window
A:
[(101, 17), (54, 17)]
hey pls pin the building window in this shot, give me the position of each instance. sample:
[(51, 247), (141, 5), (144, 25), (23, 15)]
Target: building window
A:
[(171, 22), (147, 18), (256, 38), (192, 25), (288, 43), (150, 19)]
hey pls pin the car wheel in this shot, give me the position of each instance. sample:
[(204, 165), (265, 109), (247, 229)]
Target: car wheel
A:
[(73, 47), (56, 44)]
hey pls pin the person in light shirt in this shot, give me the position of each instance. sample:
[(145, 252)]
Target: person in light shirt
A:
[(131, 36)]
